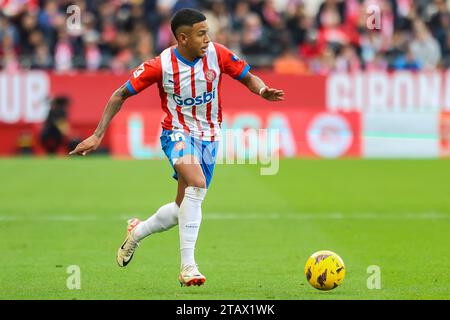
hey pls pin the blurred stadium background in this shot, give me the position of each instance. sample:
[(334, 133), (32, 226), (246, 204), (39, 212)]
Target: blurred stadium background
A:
[(353, 93), (382, 92)]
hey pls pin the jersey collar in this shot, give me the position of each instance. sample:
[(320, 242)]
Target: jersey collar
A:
[(189, 63)]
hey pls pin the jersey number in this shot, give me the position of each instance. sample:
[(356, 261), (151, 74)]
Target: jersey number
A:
[(177, 136)]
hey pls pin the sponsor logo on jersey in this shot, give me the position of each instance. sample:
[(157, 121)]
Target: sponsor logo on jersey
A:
[(138, 71), (203, 98)]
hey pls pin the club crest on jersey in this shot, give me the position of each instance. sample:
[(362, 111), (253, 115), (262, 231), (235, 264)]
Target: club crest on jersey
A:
[(210, 75)]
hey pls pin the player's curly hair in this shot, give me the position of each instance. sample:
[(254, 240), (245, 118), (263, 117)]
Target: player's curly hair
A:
[(186, 17)]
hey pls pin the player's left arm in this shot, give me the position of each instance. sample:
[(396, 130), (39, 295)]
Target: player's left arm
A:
[(238, 69), (256, 85)]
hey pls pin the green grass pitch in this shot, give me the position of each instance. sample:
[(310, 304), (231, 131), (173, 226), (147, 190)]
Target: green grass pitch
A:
[(256, 234)]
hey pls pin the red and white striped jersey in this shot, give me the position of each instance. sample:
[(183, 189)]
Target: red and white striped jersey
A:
[(190, 91)]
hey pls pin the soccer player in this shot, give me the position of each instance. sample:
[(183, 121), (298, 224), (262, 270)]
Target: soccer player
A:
[(188, 77)]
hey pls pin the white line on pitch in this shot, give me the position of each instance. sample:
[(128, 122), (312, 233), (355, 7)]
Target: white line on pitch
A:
[(246, 216)]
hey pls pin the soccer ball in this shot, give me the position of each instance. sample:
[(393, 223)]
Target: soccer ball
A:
[(325, 270)]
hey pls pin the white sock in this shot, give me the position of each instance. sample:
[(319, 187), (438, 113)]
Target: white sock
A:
[(190, 217), (165, 218)]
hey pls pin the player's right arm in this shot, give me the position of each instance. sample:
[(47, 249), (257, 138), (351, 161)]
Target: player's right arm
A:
[(142, 77), (112, 107)]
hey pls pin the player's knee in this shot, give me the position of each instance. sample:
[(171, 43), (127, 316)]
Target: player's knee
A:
[(198, 182)]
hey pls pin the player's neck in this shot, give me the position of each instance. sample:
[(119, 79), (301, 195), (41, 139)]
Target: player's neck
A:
[(185, 54)]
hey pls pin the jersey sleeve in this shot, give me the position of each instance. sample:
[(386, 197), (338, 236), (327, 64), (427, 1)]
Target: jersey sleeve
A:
[(146, 74), (230, 63)]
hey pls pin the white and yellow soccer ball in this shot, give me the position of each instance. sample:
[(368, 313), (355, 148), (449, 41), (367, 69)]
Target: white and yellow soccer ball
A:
[(325, 270)]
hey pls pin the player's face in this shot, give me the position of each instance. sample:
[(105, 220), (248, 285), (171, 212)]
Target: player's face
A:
[(197, 40)]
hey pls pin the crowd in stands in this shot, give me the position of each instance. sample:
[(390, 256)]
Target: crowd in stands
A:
[(290, 36)]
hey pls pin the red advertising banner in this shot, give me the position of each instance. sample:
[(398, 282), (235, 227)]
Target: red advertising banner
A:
[(373, 114)]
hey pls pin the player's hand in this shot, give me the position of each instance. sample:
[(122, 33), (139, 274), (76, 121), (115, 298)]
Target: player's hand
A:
[(88, 145), (272, 94)]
